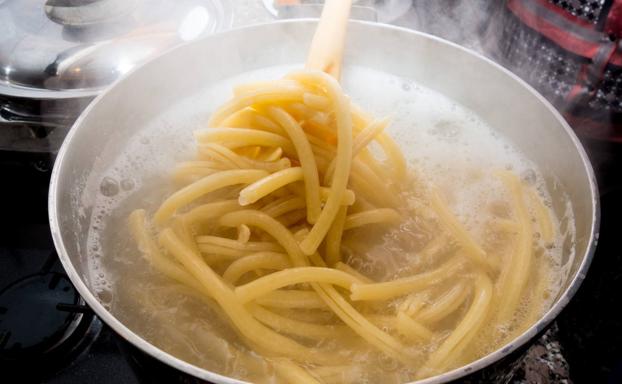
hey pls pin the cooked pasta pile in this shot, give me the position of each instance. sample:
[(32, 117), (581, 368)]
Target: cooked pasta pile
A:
[(287, 173)]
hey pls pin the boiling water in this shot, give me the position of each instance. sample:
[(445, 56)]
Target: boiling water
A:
[(446, 145)]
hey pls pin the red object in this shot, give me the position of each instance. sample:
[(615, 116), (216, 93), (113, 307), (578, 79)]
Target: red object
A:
[(581, 38), (601, 47), (613, 26), (595, 129)]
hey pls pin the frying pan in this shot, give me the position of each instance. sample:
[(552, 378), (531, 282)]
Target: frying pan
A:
[(144, 98)]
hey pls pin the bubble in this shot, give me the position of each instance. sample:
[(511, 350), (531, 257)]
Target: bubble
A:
[(406, 87), (105, 296), (127, 184), (445, 129), (388, 363), (367, 268), (109, 187), (529, 176), (355, 263)]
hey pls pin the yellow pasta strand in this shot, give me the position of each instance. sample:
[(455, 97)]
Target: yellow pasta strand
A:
[(445, 305), (316, 101), (269, 94), (244, 137), (222, 152), (259, 260), (249, 246), (398, 287), (457, 230), (295, 327), (348, 197), (271, 154), (333, 238), (292, 373), (361, 141), (191, 171), (467, 327), (270, 226), (506, 225), (348, 269), (514, 275), (219, 291), (210, 210), (411, 328), (283, 206), (263, 187), (292, 298), (297, 275), (244, 234), (390, 148), (413, 303), (543, 216), (343, 160), (204, 186), (306, 158), (380, 193), (251, 117), (251, 88), (359, 324), (152, 253), (374, 216)]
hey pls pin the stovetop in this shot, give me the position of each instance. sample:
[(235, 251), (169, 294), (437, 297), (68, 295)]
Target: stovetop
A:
[(590, 326)]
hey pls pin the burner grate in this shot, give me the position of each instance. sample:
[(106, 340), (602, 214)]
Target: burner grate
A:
[(609, 95), (554, 72), (43, 321), (549, 68), (589, 10)]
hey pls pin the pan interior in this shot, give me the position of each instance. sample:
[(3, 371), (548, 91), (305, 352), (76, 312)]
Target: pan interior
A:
[(143, 126), (444, 142)]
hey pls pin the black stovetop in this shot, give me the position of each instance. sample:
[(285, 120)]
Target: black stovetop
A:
[(48, 336), (591, 325)]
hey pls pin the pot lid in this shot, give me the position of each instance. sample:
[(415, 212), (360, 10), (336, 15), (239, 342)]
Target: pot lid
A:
[(74, 48), (383, 11)]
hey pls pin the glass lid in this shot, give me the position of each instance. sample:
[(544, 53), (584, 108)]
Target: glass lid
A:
[(73, 48)]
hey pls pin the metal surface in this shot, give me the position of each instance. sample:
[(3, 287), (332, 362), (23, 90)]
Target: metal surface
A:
[(383, 11), (33, 125), (504, 101), (58, 49)]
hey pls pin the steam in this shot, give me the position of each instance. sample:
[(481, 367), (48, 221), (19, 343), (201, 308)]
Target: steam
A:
[(460, 21), (488, 27)]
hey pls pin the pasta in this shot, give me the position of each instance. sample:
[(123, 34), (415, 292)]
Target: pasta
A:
[(286, 194)]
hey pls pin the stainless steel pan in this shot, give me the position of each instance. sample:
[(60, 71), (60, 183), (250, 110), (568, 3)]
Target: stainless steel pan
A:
[(508, 104)]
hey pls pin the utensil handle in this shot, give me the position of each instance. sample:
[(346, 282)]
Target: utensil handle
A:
[(326, 49)]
